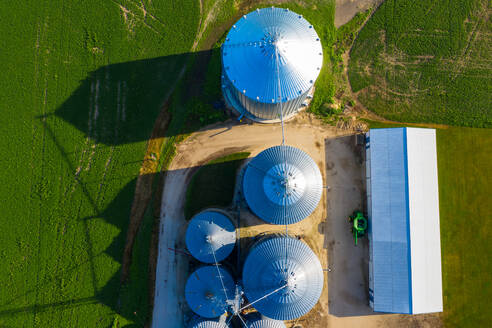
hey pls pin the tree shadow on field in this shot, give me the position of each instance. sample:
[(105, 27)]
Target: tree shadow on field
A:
[(119, 103)]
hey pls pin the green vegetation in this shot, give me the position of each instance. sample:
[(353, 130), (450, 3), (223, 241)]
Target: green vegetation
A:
[(213, 184), (426, 61), (346, 35), (82, 85), (465, 174), (331, 111)]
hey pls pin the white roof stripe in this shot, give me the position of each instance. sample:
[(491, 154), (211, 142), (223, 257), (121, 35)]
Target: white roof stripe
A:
[(424, 221)]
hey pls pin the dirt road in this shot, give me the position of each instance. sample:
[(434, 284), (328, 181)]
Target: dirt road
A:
[(346, 9), (197, 150), (344, 301)]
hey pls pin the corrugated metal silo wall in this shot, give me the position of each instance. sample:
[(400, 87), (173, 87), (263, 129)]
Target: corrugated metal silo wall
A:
[(261, 110)]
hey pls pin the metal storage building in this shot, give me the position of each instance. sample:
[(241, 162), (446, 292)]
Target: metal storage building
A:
[(282, 185), (265, 323), (205, 294), (271, 58), (283, 277), (403, 208), (210, 233)]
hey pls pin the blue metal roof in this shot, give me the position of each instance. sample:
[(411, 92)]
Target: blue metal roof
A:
[(205, 294), (208, 232), (249, 55), (289, 266), (265, 323), (389, 221), (282, 185), (207, 323)]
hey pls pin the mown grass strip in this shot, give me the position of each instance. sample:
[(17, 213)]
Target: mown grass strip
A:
[(465, 175)]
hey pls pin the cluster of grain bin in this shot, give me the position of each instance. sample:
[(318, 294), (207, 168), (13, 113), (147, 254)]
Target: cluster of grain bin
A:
[(271, 59), (281, 277)]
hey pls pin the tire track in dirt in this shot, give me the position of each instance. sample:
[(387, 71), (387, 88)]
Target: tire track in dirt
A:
[(195, 42)]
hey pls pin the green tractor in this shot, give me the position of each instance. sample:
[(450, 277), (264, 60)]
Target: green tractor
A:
[(358, 225)]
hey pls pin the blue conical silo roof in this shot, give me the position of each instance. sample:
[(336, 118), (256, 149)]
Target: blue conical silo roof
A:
[(282, 185), (289, 266), (249, 55), (207, 323), (210, 232), (205, 294), (265, 323)]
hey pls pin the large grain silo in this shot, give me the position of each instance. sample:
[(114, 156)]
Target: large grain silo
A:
[(207, 323), (208, 289), (265, 323), (270, 60), (210, 236), (284, 277), (282, 185)]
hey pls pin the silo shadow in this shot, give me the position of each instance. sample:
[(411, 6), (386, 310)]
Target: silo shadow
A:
[(119, 103)]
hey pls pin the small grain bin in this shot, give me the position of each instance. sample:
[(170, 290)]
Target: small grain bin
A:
[(210, 236), (208, 289)]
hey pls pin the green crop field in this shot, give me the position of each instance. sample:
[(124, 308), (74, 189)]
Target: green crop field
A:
[(426, 61), (82, 84), (465, 175), (213, 184)]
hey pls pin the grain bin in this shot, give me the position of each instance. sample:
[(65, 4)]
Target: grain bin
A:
[(208, 289), (282, 277), (271, 58), (282, 185), (210, 233)]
